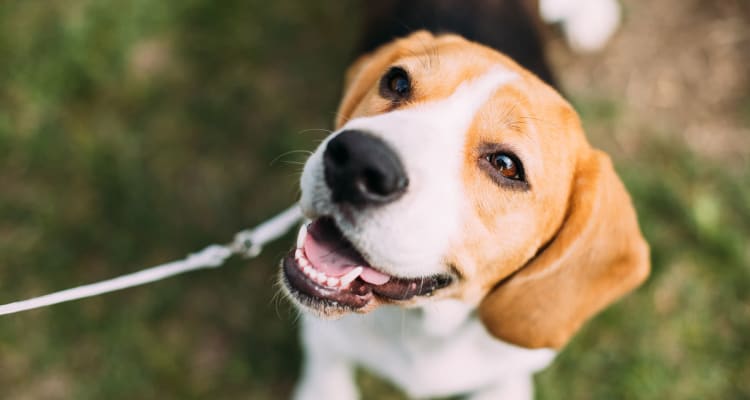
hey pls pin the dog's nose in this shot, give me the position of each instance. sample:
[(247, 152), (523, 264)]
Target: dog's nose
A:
[(361, 170)]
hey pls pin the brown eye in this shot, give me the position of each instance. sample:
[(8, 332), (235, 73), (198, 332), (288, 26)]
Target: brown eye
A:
[(507, 165), (503, 166), (395, 85)]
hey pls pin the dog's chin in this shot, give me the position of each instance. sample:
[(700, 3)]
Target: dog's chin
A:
[(328, 277)]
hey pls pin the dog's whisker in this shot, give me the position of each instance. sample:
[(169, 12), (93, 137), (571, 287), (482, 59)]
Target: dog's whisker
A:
[(315, 130), (288, 153)]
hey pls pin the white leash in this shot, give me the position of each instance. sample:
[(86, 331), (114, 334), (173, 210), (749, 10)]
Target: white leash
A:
[(247, 243)]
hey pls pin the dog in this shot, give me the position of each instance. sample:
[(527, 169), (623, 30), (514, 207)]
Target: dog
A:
[(460, 228)]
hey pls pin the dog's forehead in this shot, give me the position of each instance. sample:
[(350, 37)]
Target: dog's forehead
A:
[(443, 121), (441, 70), (438, 66), (468, 98)]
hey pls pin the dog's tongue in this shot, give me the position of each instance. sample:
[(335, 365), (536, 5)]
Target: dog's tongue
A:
[(330, 252)]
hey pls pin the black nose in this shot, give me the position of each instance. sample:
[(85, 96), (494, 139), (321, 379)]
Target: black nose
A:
[(361, 169)]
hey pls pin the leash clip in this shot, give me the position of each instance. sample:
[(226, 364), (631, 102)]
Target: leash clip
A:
[(249, 242), (244, 244)]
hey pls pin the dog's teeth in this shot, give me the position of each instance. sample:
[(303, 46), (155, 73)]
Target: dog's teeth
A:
[(351, 276), (308, 270), (332, 282), (303, 262), (301, 236), (321, 278), (298, 255)]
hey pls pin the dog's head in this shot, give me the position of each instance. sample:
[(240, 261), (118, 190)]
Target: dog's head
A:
[(455, 173)]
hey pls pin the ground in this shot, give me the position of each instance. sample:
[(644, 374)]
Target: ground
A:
[(133, 132)]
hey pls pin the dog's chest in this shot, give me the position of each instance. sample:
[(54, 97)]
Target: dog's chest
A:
[(442, 350)]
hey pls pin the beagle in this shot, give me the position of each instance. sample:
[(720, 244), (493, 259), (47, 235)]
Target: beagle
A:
[(460, 227)]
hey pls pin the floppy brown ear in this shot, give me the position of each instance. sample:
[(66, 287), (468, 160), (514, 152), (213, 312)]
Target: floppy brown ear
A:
[(360, 77), (351, 97), (596, 256), (353, 71)]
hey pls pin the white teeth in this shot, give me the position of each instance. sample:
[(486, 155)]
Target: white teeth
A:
[(350, 276), (301, 236), (319, 276)]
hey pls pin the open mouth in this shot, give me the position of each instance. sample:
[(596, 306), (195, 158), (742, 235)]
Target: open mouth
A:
[(326, 270)]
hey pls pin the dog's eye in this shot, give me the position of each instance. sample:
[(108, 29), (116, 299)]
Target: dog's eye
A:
[(399, 84), (395, 85), (507, 165)]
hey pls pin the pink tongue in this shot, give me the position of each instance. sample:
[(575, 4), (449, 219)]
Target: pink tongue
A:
[(335, 257), (371, 276)]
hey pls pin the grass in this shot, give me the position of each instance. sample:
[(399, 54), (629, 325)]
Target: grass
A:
[(133, 132)]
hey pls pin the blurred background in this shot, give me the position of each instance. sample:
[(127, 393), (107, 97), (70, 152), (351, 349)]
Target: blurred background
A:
[(133, 132)]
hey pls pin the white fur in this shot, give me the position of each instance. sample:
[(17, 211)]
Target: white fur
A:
[(587, 24), (399, 344), (440, 348)]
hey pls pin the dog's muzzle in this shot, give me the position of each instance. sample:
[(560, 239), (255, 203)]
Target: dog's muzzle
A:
[(356, 183)]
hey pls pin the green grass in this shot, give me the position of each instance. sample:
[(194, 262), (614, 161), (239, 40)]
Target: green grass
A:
[(133, 132)]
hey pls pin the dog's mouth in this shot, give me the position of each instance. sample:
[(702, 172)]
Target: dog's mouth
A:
[(327, 273)]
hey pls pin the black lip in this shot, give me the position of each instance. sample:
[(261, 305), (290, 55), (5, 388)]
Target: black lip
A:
[(405, 289)]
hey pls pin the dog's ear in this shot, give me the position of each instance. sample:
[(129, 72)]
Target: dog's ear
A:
[(352, 95), (358, 79), (596, 256), (354, 70)]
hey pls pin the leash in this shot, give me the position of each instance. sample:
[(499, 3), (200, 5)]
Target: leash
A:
[(247, 243)]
